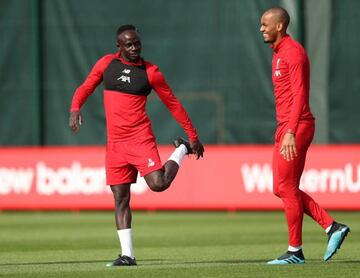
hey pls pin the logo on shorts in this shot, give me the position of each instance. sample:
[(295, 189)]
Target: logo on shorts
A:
[(151, 162)]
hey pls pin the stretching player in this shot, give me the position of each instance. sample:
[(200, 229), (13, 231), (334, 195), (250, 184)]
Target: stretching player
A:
[(131, 145), (295, 131)]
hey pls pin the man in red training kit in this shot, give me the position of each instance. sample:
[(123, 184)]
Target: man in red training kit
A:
[(295, 131), (131, 147)]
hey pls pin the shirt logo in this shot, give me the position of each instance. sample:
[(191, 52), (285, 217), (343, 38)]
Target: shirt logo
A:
[(277, 70), (126, 71), (151, 163), (124, 78)]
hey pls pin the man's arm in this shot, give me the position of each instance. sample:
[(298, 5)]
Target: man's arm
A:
[(85, 90), (298, 72), (157, 81)]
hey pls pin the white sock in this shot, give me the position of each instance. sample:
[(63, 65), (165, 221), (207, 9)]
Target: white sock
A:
[(126, 242), (294, 248), (328, 229), (178, 154)]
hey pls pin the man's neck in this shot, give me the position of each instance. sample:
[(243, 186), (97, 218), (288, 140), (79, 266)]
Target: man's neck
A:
[(278, 39)]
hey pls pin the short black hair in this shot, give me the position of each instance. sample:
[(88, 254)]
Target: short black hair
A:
[(123, 28), (283, 15)]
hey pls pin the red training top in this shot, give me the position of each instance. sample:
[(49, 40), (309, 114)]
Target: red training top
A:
[(126, 87), (291, 79)]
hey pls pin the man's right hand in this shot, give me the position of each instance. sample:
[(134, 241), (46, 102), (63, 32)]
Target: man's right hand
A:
[(197, 148), (75, 121)]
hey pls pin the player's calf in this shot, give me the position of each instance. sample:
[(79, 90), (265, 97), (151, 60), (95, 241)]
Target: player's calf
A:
[(156, 181)]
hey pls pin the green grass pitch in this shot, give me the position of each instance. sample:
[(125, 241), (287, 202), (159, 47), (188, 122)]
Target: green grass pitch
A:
[(168, 244)]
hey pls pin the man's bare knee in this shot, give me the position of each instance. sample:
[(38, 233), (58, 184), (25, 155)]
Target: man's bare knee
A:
[(156, 181), (158, 186), (121, 194)]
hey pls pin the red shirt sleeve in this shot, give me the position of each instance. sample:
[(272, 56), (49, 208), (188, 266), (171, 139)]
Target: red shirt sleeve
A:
[(299, 73), (158, 83), (94, 78)]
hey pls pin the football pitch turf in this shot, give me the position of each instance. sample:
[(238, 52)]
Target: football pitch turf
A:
[(168, 244)]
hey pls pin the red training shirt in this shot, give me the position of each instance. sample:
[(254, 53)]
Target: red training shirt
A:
[(126, 86), (291, 80)]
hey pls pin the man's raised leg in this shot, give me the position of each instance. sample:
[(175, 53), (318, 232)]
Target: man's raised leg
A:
[(160, 180)]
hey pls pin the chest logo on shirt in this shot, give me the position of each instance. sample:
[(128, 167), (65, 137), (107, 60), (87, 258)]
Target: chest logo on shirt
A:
[(277, 69), (125, 78)]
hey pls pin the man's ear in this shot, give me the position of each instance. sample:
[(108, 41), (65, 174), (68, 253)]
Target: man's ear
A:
[(280, 26), (118, 46)]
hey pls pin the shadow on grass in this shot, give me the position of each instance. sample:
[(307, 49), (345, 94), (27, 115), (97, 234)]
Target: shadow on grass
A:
[(344, 262), (171, 262), (59, 262), (227, 262), (72, 262), (262, 261), (145, 261)]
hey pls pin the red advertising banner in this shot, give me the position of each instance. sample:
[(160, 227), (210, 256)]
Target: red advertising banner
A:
[(228, 178)]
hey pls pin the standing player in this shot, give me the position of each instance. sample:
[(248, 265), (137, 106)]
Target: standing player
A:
[(295, 131), (131, 146)]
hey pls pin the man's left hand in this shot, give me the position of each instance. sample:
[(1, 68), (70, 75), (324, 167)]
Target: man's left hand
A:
[(75, 121), (197, 148), (288, 148)]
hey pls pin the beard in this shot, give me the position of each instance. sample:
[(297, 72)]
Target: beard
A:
[(269, 38), (269, 41)]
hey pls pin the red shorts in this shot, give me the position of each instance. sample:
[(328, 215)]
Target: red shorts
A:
[(125, 159)]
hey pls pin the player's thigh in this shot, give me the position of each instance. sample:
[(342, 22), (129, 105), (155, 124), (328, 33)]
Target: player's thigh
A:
[(288, 173), (275, 168), (119, 175), (143, 154), (118, 169), (304, 137)]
